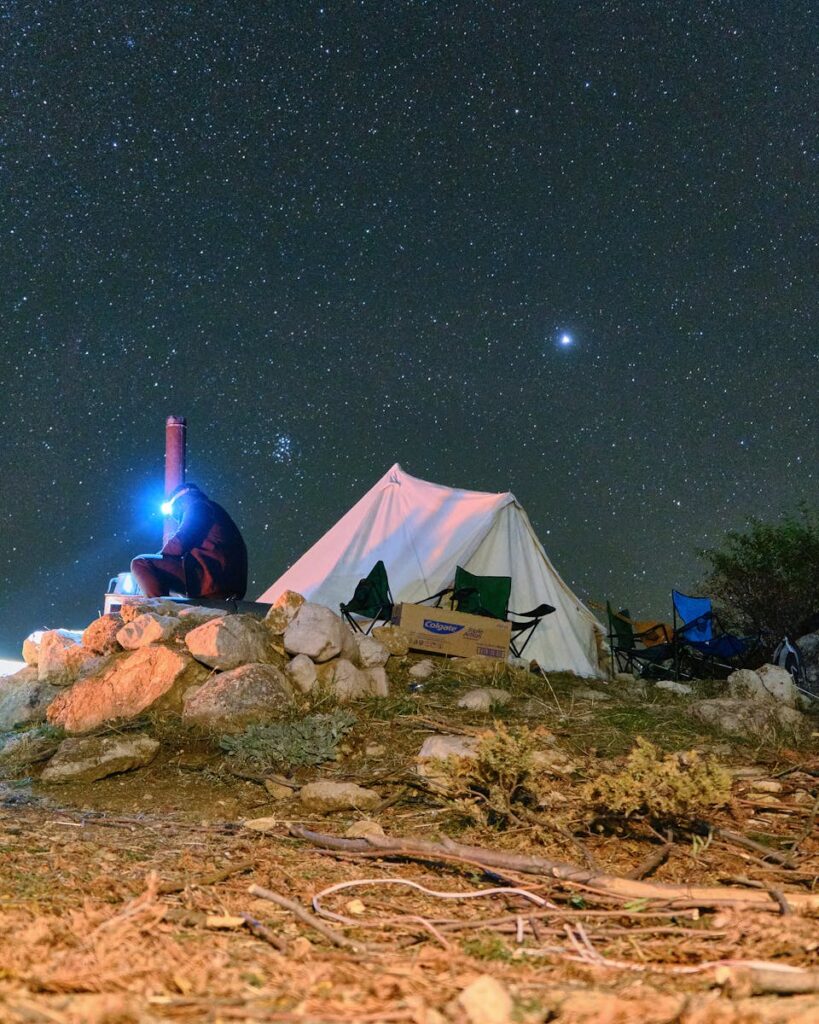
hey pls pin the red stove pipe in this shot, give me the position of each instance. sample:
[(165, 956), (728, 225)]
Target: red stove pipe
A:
[(175, 439)]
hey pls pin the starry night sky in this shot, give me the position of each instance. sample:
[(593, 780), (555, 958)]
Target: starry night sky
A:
[(340, 235)]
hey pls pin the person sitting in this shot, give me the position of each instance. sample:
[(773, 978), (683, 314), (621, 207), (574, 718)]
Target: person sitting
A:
[(206, 557)]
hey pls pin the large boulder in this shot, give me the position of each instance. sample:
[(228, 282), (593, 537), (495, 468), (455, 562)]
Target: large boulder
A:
[(62, 660), (325, 797), (302, 673), (152, 677), (232, 700), (24, 698), (86, 759), (232, 641), (347, 682), (317, 632), (743, 717), (283, 611), (770, 682), (100, 636), (148, 628)]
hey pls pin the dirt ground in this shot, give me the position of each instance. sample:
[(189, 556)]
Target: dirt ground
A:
[(127, 900)]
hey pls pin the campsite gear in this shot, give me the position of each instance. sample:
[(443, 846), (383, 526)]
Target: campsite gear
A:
[(625, 642), (713, 648), (372, 599), (788, 656), (445, 631), (421, 531), (489, 596)]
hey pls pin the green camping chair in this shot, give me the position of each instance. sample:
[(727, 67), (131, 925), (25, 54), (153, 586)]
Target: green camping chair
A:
[(372, 600), (624, 641), (489, 596)]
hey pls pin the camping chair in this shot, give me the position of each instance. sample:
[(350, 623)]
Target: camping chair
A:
[(698, 631), (489, 596), (637, 651), (372, 600)]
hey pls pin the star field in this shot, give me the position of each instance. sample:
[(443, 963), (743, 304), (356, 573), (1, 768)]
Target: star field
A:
[(340, 235)]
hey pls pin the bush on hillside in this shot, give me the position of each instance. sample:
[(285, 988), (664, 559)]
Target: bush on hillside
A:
[(766, 580)]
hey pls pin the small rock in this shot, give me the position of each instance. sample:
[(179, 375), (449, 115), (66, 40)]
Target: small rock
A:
[(766, 786), (586, 693), (375, 750), (364, 829), (325, 797), (31, 648), (302, 673), (229, 642), (355, 907), (100, 636), (484, 699), (395, 639), (62, 660), (230, 701), (277, 791), (135, 606), (148, 628), (370, 653), (486, 1001), (317, 632), (422, 670), (262, 824), (673, 687), (379, 681), (442, 746), (283, 611), (195, 614), (87, 759), (224, 922), (347, 682)]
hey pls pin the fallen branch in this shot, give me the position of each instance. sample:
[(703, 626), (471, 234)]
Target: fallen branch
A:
[(212, 879), (261, 931), (303, 915), (735, 839), (611, 885), (651, 863)]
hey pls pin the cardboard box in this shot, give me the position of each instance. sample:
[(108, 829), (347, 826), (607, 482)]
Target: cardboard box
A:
[(447, 632)]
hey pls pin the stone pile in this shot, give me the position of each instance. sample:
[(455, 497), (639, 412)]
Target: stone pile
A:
[(218, 671)]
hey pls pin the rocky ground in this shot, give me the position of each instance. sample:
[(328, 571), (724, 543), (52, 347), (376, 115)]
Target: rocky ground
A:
[(131, 835)]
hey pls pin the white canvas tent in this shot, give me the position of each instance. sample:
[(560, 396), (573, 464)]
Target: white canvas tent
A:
[(421, 531)]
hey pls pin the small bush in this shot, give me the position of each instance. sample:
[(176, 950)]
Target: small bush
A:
[(486, 788), (290, 744), (677, 787)]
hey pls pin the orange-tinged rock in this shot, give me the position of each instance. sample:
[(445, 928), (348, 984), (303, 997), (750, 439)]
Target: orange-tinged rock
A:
[(152, 677)]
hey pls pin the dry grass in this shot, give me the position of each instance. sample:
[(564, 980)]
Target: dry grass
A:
[(89, 936)]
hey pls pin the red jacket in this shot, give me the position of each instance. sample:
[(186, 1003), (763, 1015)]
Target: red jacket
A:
[(214, 552)]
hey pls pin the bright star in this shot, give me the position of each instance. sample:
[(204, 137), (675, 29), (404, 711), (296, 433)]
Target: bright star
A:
[(565, 339)]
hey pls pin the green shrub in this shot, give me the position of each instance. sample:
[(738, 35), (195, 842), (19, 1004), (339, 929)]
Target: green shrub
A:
[(677, 787), (290, 744), (767, 579)]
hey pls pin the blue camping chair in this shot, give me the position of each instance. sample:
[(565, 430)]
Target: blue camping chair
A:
[(697, 629)]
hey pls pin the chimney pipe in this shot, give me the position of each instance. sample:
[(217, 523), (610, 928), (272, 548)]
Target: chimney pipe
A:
[(175, 436)]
